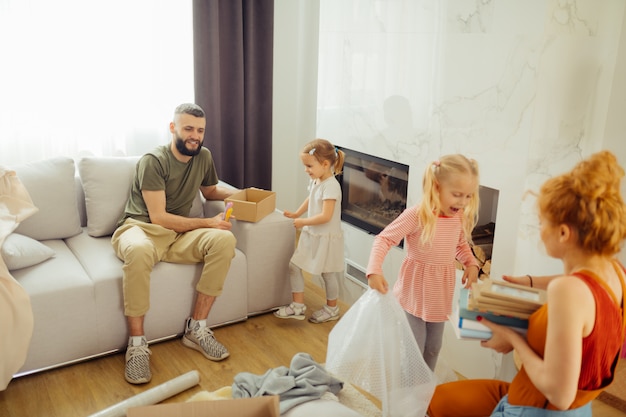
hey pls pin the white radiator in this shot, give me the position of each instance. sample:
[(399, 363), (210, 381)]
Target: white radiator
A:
[(356, 274)]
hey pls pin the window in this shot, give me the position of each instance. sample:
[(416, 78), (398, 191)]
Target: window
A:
[(85, 78)]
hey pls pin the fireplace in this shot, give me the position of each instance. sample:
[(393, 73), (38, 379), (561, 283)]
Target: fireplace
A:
[(484, 232), (374, 190), (374, 193)]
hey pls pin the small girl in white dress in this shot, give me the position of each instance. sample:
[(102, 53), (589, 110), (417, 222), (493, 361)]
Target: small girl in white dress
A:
[(320, 248)]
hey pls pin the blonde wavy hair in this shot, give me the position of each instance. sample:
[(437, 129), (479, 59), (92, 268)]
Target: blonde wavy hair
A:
[(439, 172), (588, 199)]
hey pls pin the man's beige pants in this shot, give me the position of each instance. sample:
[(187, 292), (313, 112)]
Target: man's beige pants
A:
[(141, 245)]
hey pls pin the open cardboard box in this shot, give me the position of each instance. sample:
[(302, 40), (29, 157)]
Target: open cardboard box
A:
[(252, 204), (265, 406)]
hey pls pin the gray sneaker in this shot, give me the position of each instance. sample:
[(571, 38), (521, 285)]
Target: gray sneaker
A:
[(201, 338), (138, 362)]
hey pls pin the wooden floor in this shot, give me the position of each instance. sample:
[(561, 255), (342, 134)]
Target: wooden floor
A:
[(259, 344), (256, 345)]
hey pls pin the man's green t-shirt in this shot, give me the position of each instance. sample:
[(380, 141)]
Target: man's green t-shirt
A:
[(160, 170)]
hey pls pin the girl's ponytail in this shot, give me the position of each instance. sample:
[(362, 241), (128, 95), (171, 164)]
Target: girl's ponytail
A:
[(429, 208)]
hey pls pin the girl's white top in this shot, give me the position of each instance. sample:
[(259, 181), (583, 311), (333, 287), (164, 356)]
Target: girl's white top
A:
[(320, 248)]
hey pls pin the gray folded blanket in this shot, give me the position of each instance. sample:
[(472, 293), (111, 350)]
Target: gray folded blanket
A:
[(303, 381)]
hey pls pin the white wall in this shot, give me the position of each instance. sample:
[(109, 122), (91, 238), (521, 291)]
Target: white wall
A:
[(526, 87), (296, 34), (615, 128)]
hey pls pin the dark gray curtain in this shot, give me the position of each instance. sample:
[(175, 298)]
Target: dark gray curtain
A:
[(233, 55)]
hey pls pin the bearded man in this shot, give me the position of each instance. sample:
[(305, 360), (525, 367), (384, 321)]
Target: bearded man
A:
[(156, 227)]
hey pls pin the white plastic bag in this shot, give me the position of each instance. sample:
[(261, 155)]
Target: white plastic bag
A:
[(373, 347)]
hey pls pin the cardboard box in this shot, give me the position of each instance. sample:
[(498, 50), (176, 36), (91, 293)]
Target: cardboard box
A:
[(266, 406), (252, 204)]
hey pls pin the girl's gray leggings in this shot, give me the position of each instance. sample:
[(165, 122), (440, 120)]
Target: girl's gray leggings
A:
[(429, 337), (331, 281)]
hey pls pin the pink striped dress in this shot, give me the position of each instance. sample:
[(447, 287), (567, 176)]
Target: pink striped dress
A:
[(425, 286)]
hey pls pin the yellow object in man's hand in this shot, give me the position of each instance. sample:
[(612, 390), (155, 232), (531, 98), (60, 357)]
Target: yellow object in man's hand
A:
[(228, 211)]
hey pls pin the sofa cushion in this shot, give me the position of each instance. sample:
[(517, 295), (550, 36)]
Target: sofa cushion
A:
[(62, 297), (51, 186), (19, 251), (168, 281), (106, 183)]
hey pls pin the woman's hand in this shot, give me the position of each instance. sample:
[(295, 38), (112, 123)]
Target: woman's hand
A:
[(378, 282), (501, 339), (520, 280)]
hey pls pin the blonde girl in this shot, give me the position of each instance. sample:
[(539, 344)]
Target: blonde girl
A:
[(320, 247), (436, 232)]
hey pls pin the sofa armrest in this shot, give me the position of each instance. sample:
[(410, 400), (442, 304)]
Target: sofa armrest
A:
[(268, 245), (213, 207)]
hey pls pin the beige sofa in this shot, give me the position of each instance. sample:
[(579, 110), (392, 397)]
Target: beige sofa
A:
[(63, 257)]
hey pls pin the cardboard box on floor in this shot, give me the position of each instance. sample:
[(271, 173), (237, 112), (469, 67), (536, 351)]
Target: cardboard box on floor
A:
[(266, 406), (252, 204)]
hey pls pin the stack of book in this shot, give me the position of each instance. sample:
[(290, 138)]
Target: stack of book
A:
[(497, 301)]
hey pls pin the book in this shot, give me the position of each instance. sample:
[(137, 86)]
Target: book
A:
[(464, 332), (480, 299), (505, 299), (496, 309), (468, 310), (510, 299), (472, 325), (470, 329)]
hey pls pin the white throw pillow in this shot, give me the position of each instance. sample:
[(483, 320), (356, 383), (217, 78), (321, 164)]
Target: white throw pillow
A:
[(106, 183), (19, 251), (51, 185)]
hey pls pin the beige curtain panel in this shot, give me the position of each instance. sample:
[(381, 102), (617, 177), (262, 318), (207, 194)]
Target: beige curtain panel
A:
[(16, 316)]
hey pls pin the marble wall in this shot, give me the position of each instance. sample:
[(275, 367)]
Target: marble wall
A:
[(522, 86), (526, 87)]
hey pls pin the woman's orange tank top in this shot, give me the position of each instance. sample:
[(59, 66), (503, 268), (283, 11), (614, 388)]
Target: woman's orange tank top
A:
[(601, 349)]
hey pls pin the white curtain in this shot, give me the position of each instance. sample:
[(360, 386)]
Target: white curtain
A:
[(83, 77)]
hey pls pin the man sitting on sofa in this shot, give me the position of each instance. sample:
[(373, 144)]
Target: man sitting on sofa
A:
[(156, 227)]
